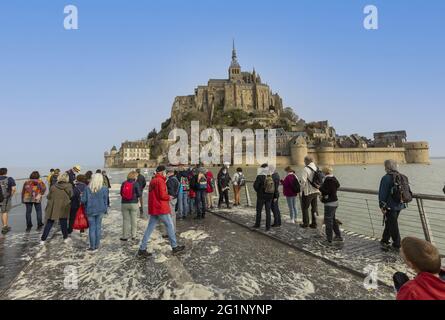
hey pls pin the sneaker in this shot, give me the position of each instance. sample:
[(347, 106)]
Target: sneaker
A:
[(338, 239), (292, 221), (384, 246), (91, 250), (178, 249), (42, 242), (28, 229), (6, 229), (144, 253), (276, 225), (39, 227), (313, 226)]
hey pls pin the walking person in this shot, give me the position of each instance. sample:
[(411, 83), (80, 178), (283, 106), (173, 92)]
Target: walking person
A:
[(199, 185), (142, 183), (265, 188), (32, 195), (58, 206), (131, 194), (79, 188), (310, 183), (390, 204), (291, 190), (183, 199), (330, 200), (95, 201), (210, 188), (159, 210), (7, 190), (275, 207), (223, 181), (238, 182)]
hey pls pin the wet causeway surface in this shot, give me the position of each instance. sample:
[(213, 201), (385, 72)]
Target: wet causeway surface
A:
[(223, 260)]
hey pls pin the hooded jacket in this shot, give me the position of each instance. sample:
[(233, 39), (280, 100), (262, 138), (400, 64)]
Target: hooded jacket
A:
[(158, 198), (425, 286), (59, 201)]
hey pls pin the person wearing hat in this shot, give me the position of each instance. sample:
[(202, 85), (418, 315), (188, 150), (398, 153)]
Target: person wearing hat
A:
[(159, 210), (72, 173)]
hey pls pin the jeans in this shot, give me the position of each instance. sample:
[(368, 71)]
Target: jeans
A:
[(95, 230), (166, 219), (200, 203), (312, 201), (38, 207), (130, 220), (172, 204), (49, 224), (392, 228), (276, 212), (223, 195), (292, 204), (331, 223), (260, 203), (182, 205)]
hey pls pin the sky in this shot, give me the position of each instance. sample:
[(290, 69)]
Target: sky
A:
[(66, 96)]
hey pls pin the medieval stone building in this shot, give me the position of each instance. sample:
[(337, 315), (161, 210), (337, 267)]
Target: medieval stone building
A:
[(242, 90)]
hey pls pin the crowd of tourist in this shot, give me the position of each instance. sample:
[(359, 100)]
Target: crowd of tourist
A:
[(176, 193)]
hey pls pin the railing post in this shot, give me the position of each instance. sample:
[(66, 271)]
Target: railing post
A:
[(424, 220), (249, 202)]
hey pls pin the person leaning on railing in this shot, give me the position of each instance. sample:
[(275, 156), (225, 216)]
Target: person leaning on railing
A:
[(390, 207)]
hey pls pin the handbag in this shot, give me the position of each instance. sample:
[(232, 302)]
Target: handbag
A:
[(81, 221)]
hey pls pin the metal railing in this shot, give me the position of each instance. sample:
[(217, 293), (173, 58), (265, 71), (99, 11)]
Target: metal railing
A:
[(359, 212)]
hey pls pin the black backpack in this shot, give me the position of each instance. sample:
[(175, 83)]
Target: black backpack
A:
[(3, 189), (2, 197), (296, 187), (317, 179), (401, 191)]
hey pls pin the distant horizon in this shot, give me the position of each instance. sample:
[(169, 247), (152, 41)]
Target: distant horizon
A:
[(70, 95)]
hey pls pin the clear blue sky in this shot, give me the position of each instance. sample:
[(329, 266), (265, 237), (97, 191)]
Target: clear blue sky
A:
[(67, 96)]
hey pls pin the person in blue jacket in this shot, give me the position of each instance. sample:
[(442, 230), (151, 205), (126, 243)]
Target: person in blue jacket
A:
[(390, 208), (95, 200)]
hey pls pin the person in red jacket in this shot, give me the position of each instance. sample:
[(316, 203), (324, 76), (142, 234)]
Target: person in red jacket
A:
[(424, 259), (159, 210)]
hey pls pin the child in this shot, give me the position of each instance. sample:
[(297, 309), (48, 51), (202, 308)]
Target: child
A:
[(424, 259)]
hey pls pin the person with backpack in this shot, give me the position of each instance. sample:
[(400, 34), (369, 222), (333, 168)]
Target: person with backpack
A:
[(32, 195), (394, 194), (223, 181), (238, 182), (183, 201), (142, 183), (329, 198), (275, 207), (291, 190), (199, 185), (79, 188), (264, 187), (210, 189), (7, 190), (159, 210), (311, 180), (58, 206), (95, 201), (131, 193)]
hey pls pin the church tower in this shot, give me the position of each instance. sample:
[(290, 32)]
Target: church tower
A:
[(235, 68)]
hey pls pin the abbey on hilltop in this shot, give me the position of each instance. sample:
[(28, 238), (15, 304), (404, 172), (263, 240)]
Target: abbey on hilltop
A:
[(244, 101)]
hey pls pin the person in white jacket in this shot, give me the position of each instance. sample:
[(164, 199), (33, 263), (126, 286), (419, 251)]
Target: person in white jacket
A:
[(310, 193)]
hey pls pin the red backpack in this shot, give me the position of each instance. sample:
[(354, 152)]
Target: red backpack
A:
[(127, 191)]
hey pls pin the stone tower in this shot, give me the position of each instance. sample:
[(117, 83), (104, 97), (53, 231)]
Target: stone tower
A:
[(298, 151), (235, 68)]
